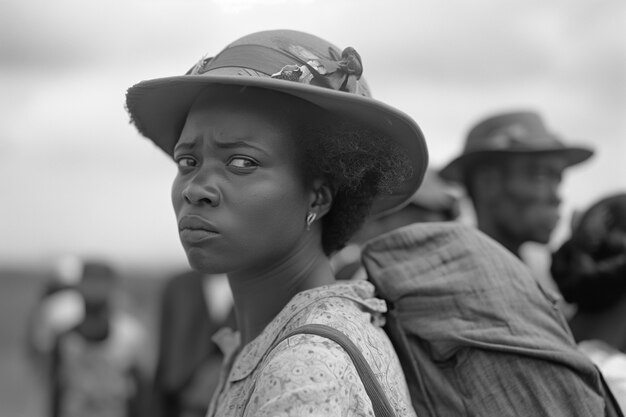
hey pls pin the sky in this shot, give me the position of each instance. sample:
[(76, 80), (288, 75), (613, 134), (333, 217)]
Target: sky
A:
[(76, 178)]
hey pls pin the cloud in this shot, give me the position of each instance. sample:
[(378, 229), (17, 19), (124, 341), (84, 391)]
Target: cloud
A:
[(65, 65), (237, 6)]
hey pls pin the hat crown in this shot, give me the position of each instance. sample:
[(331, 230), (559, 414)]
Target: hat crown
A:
[(287, 55), (523, 131), (288, 62)]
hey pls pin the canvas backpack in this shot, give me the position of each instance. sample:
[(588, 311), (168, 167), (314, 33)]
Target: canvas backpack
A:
[(475, 333)]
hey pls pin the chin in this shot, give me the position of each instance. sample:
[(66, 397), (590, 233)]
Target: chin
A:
[(200, 262), (543, 238)]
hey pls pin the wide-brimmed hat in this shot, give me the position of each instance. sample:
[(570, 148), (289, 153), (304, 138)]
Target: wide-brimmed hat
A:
[(290, 62), (512, 133)]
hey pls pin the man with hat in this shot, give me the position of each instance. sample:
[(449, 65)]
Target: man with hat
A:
[(512, 167)]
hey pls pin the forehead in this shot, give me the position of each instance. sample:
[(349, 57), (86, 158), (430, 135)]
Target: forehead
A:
[(228, 117), (251, 105), (537, 162)]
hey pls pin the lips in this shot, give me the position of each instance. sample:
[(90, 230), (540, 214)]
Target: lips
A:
[(195, 229)]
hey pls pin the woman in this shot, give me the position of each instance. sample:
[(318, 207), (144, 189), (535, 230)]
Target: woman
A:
[(281, 155)]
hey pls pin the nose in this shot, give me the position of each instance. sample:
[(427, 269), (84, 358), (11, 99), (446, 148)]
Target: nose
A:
[(201, 189)]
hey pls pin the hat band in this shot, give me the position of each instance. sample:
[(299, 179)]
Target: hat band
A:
[(254, 57), (339, 73), (505, 142)]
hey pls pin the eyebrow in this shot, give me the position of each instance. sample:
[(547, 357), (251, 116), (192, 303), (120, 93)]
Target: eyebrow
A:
[(184, 145), (240, 143)]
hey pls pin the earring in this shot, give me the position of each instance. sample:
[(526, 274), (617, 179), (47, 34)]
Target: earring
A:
[(310, 218)]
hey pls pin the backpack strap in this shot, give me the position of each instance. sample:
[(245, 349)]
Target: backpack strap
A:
[(375, 392)]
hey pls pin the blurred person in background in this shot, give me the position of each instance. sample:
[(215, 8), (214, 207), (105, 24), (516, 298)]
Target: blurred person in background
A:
[(590, 271), (511, 168), (193, 307), (98, 367), (59, 308), (435, 201)]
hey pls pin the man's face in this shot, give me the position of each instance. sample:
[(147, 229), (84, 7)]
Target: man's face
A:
[(97, 291), (528, 206)]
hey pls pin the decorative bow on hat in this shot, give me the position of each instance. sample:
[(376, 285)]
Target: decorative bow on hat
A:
[(337, 73)]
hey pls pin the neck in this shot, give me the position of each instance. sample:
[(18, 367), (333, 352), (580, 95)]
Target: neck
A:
[(486, 225), (260, 295)]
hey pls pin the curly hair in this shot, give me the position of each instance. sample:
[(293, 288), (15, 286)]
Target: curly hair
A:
[(593, 284), (359, 163), (590, 267)]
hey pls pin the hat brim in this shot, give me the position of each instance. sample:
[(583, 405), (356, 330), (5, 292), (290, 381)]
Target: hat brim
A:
[(456, 170), (159, 109)]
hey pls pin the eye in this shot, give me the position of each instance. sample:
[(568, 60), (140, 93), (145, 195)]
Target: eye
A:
[(186, 162), (242, 163), (544, 176)]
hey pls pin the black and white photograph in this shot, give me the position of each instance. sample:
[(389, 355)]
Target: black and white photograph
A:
[(249, 208)]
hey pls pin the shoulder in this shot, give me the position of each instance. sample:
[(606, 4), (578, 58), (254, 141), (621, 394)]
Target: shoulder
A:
[(336, 305), (324, 361), (129, 338), (128, 326), (322, 372), (308, 372), (356, 313)]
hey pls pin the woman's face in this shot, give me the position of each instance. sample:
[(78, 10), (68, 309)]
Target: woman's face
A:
[(239, 196)]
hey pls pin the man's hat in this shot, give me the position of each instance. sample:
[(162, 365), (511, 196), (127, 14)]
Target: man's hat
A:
[(290, 62), (510, 134)]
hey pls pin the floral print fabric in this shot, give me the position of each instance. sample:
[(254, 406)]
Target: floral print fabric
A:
[(308, 375)]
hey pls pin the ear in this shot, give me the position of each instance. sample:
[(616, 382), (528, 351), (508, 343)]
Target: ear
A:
[(321, 199)]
